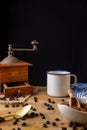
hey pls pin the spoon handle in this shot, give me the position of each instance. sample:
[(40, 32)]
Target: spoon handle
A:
[(71, 93), (7, 115)]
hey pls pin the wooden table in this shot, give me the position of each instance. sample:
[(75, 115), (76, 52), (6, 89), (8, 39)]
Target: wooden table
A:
[(38, 106)]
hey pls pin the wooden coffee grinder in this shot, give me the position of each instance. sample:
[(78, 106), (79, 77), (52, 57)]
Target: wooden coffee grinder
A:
[(16, 72)]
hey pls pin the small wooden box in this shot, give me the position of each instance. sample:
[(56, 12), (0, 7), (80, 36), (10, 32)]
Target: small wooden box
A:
[(19, 89), (14, 72)]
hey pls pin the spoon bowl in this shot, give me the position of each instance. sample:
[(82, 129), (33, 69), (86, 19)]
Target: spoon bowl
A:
[(18, 114)]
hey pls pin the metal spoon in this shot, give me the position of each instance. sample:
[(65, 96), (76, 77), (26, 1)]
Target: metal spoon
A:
[(20, 113)]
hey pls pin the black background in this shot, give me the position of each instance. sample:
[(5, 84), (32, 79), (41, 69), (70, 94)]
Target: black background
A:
[(60, 27)]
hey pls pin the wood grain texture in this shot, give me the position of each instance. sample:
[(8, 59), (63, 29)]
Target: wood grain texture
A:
[(36, 123)]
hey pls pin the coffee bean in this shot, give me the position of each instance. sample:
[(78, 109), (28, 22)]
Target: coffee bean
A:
[(15, 122), (13, 129), (54, 123), (44, 125), (6, 105), (57, 119), (24, 124), (2, 119), (53, 102), (18, 128), (49, 100), (47, 122), (35, 99), (64, 128)]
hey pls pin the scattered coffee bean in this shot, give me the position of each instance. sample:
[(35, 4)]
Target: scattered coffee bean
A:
[(53, 102), (6, 105), (25, 104), (49, 100), (11, 98), (64, 128), (31, 115), (23, 118), (43, 117), (45, 125), (13, 105), (2, 98), (50, 108), (33, 109), (17, 105), (18, 128), (24, 124), (15, 122), (47, 122), (13, 129), (57, 119), (2, 119), (9, 112), (35, 99), (54, 123), (62, 99)]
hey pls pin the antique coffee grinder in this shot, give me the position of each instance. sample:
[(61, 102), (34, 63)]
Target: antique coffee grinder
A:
[(13, 70)]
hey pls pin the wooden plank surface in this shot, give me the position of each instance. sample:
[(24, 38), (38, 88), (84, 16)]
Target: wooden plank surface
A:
[(38, 102)]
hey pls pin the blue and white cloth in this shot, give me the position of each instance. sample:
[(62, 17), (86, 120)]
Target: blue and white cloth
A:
[(80, 90)]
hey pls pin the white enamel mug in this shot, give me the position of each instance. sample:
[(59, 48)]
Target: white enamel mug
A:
[(58, 82)]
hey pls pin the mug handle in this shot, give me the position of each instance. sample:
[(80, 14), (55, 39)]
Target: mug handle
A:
[(75, 80)]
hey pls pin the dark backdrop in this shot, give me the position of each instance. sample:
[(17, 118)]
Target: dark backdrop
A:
[(60, 27)]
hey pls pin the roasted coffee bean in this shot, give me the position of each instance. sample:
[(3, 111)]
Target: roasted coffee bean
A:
[(45, 104), (12, 98), (64, 128), (9, 112), (49, 100), (34, 109), (23, 118), (47, 122), (35, 99), (53, 102), (13, 129), (0, 128), (26, 104), (43, 117), (13, 105), (41, 114), (54, 123), (2, 98), (50, 108), (18, 128), (24, 124), (36, 114), (31, 115), (6, 105), (57, 119), (63, 100), (2, 119), (17, 105), (15, 122), (45, 125)]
